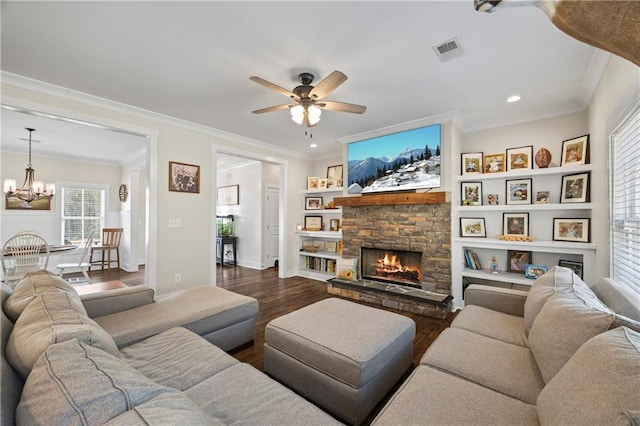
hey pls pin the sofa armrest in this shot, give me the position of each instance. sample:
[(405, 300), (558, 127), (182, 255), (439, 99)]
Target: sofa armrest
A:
[(112, 301), (499, 299)]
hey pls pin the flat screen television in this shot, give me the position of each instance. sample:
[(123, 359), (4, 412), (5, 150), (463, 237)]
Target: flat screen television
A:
[(402, 161)]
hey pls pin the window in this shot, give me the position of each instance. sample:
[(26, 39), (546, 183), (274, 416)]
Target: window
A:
[(625, 201), (82, 212)]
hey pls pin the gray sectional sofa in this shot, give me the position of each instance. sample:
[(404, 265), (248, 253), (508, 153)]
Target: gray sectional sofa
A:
[(556, 355), (121, 357)]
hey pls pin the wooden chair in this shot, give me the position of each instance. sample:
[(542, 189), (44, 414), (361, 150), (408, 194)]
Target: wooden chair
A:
[(110, 242), (80, 263), (24, 252)]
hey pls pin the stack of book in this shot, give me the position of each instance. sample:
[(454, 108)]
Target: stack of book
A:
[(471, 259)]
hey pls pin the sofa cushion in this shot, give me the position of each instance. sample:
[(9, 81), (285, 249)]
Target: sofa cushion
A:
[(177, 358), (564, 323), (504, 367), (52, 318), (490, 323), (165, 409), (250, 397), (33, 284), (556, 279), (11, 382), (199, 309), (433, 397), (599, 385), (75, 383)]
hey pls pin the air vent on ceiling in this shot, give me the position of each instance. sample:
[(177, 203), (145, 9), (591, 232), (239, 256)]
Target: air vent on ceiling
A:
[(449, 50)]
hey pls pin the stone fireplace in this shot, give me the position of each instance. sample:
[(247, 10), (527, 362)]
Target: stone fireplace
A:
[(399, 223)]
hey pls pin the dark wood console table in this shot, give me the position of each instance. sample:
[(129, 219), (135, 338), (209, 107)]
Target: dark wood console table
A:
[(220, 243)]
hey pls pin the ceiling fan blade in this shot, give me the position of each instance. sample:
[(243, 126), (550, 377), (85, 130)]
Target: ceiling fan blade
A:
[(342, 107), (273, 87), (327, 85), (272, 108)]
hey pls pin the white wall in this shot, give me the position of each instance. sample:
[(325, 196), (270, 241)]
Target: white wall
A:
[(247, 214), (617, 92)]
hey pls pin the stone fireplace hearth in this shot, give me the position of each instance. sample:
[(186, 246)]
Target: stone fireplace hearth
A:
[(410, 222)]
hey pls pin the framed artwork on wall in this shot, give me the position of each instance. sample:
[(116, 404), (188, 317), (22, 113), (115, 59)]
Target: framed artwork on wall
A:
[(184, 177), (520, 158), (228, 195)]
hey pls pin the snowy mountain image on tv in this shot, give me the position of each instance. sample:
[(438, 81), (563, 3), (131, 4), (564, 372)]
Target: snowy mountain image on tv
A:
[(401, 161)]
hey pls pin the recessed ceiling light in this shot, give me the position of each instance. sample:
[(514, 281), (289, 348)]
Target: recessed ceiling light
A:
[(313, 145), (514, 98)]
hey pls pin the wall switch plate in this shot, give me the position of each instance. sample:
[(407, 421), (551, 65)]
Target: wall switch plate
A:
[(177, 278), (175, 223)]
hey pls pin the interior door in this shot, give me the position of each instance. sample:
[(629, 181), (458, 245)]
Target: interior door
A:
[(272, 227)]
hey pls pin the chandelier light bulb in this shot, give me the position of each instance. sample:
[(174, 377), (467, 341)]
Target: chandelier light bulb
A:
[(314, 114), (297, 114)]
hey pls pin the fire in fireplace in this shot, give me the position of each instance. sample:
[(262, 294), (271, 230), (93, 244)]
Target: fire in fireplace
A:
[(397, 266)]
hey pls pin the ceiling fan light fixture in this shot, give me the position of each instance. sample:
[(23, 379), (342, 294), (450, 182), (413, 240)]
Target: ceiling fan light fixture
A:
[(297, 114), (314, 114)]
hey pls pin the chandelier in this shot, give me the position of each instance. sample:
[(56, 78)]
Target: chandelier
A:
[(307, 113), (31, 189)]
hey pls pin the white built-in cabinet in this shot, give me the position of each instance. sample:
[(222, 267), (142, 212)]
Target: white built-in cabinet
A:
[(544, 249), (320, 264)]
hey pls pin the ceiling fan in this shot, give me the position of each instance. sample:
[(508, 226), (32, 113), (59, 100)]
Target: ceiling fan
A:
[(307, 104)]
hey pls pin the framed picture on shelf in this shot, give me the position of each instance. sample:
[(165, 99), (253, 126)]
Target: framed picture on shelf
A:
[(313, 223), (313, 203), (330, 246), (493, 199), (471, 163), (576, 230), (575, 151), (575, 266), (542, 197), (520, 158), (494, 163), (534, 271), (518, 260), (471, 194), (313, 182), (472, 227), (518, 191), (334, 224), (575, 188), (322, 183), (515, 224), (184, 177), (334, 176)]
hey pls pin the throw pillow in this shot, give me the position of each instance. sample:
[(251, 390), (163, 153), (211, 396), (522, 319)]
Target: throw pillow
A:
[(52, 318), (32, 285), (600, 385), (564, 323)]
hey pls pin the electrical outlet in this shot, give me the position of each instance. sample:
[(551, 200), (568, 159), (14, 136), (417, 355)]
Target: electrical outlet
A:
[(177, 278)]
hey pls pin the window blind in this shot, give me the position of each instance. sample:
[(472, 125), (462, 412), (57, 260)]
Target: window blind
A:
[(625, 201)]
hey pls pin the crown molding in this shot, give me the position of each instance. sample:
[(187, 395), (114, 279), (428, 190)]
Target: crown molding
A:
[(27, 83)]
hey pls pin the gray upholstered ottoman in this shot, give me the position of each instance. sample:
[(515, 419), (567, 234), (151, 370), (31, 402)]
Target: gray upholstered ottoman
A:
[(341, 355)]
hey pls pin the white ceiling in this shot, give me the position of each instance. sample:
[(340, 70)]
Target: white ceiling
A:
[(193, 60)]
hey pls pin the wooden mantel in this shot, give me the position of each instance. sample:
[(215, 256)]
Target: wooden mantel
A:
[(439, 197)]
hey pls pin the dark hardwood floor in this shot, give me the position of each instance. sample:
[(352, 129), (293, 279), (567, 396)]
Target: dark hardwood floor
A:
[(277, 297)]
